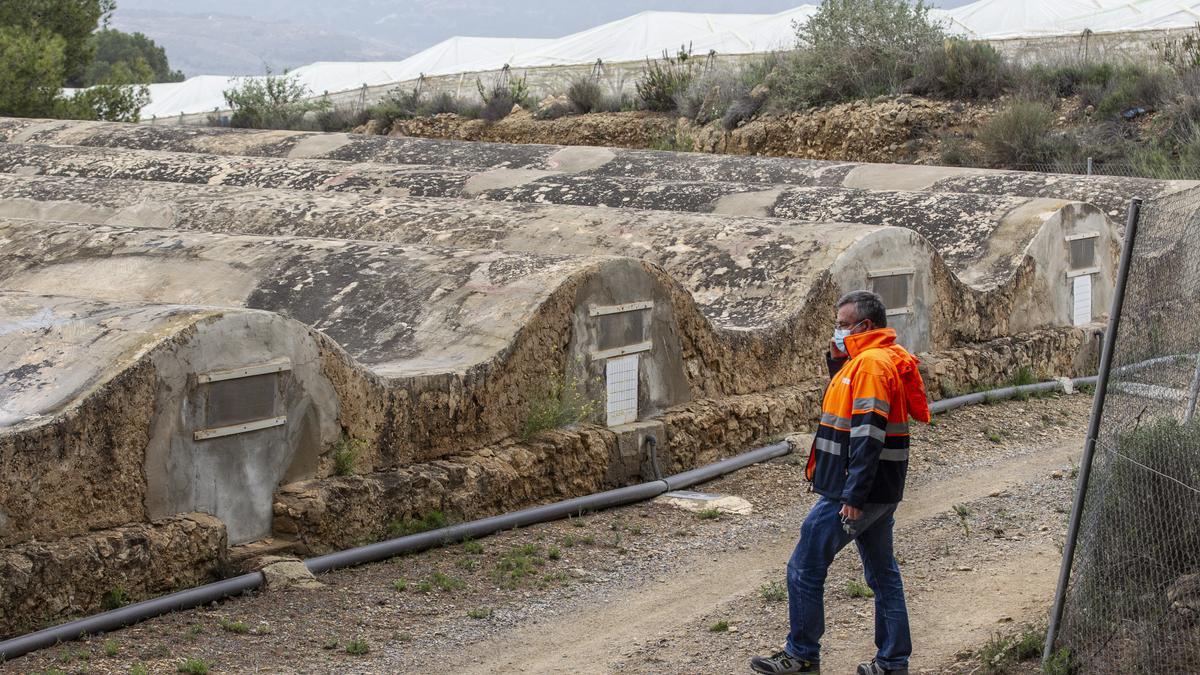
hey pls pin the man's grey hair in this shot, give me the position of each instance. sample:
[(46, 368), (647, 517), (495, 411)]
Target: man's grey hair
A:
[(867, 306)]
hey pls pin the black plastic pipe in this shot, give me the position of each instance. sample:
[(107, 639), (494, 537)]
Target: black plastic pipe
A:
[(130, 614), (948, 404)]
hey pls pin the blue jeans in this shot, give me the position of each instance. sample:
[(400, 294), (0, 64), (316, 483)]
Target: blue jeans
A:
[(821, 537)]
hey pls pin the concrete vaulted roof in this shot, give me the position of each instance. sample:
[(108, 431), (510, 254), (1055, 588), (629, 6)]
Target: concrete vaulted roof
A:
[(744, 273), (59, 350), (1110, 193), (401, 311), (960, 226)]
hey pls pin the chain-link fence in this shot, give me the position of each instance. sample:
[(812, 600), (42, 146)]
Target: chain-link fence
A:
[(1177, 171), (1133, 601)]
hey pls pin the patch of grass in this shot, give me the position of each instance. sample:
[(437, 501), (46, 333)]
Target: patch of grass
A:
[(468, 564), (400, 585), (554, 553), (1024, 377), (995, 436), (229, 626), (424, 587), (194, 631), (139, 669), (773, 592), (516, 564), (434, 520), (110, 647), (568, 541), (587, 540), (193, 666), (447, 583), (964, 513), (480, 613), (357, 647), (1002, 653), (1060, 662), (858, 589), (709, 514), (721, 626), (473, 547), (674, 141), (345, 455), (114, 598)]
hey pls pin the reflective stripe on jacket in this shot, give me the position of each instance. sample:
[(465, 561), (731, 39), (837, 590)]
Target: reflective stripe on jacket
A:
[(860, 454)]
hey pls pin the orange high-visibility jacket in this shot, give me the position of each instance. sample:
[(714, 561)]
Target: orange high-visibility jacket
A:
[(860, 455)]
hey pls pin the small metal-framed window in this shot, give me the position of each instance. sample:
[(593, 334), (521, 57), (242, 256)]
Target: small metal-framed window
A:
[(1082, 250), (895, 287), (622, 333), (622, 329), (241, 400)]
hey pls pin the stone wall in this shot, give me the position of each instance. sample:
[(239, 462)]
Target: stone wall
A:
[(58, 580), (339, 512)]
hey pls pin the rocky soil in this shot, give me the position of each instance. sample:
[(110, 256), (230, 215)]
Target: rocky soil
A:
[(653, 588), (887, 129)]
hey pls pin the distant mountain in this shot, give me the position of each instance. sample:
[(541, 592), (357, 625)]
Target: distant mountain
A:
[(239, 37)]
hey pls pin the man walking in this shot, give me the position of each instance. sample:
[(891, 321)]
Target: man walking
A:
[(858, 465)]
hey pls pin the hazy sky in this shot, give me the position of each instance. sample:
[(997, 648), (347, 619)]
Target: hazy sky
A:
[(227, 37)]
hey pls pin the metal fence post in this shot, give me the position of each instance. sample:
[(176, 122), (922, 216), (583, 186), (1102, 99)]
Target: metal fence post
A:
[(1089, 448)]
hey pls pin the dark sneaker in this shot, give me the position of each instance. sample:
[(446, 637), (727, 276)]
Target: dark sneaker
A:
[(873, 668), (781, 664)]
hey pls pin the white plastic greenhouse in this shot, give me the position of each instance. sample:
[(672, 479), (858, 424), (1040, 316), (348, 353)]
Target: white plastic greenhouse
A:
[(649, 34)]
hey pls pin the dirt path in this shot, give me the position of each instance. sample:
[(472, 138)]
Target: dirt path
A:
[(946, 621)]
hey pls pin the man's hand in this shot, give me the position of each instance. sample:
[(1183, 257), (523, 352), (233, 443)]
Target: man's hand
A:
[(835, 352), (850, 513)]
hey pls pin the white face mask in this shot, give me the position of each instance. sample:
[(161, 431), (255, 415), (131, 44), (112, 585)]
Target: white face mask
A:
[(840, 335)]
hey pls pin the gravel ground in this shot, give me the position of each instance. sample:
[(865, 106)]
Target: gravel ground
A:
[(514, 601)]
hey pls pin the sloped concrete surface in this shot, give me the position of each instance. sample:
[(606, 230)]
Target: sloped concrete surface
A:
[(1109, 193)]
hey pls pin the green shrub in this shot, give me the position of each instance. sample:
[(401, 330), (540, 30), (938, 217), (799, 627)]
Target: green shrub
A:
[(110, 102), (585, 95), (342, 119), (663, 80), (854, 49), (562, 403), (1023, 135), (1181, 53), (961, 70), (501, 96), (396, 105), (725, 93), (272, 102), (114, 598), (345, 455), (1112, 90)]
